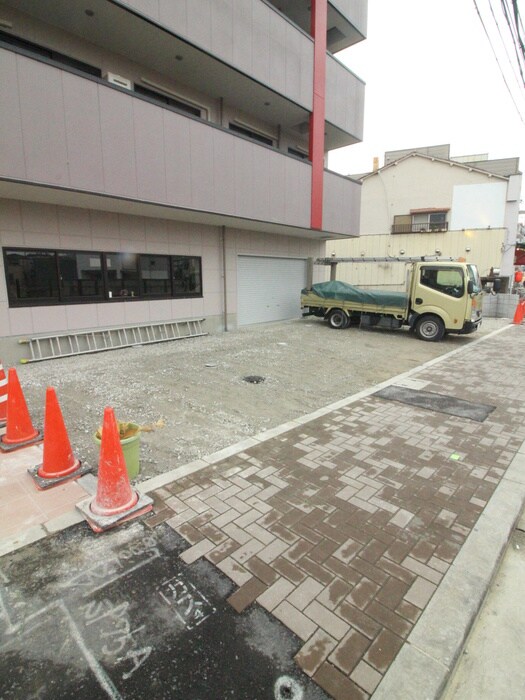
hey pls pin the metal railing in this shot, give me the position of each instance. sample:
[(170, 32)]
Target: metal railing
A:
[(440, 227)]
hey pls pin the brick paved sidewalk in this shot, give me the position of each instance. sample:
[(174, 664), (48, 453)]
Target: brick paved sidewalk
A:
[(345, 526)]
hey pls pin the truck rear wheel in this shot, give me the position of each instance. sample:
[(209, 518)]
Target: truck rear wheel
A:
[(338, 319), (430, 328)]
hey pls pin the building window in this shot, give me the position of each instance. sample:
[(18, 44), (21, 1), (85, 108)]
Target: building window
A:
[(155, 275), (251, 134), (420, 222), (42, 52), (297, 153), (41, 277), (430, 221), (186, 276), (122, 275), (80, 276), (167, 100), (31, 276)]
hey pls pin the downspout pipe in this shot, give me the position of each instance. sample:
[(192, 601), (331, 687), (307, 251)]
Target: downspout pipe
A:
[(224, 280)]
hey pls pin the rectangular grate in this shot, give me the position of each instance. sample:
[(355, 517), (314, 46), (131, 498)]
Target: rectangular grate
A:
[(436, 402)]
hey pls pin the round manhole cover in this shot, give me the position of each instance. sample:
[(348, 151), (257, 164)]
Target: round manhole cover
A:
[(253, 379)]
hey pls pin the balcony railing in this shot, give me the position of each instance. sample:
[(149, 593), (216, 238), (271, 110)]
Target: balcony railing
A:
[(440, 227)]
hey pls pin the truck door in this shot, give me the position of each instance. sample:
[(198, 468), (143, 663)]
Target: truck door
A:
[(442, 290)]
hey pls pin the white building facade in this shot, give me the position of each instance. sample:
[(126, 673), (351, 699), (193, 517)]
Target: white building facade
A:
[(422, 202)]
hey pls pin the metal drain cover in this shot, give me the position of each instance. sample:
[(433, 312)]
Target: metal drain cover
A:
[(436, 402), (253, 379)]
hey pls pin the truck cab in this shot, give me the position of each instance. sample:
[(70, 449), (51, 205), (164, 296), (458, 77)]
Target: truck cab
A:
[(444, 297)]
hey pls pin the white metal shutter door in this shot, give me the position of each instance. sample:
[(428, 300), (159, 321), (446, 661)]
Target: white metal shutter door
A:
[(269, 289)]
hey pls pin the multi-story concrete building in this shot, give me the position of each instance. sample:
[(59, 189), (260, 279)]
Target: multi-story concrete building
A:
[(164, 159), (423, 202)]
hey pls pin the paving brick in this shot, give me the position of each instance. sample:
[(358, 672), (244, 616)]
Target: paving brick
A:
[(420, 592), (392, 592), (236, 533), (223, 550), (263, 572), (226, 517), (197, 551), (288, 570), (323, 550), (422, 570), (283, 533), (298, 550), (334, 593), (300, 625), (389, 619), (234, 570), (247, 518), (358, 619), (318, 572), (325, 618), (275, 594), (349, 651), (374, 573), (342, 570), (247, 550), (383, 650), (363, 593), (272, 551), (307, 591), (190, 533), (315, 652), (347, 551), (337, 684), (246, 594), (366, 677)]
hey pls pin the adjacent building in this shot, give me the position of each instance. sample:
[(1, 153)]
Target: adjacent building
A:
[(165, 159), (423, 202)]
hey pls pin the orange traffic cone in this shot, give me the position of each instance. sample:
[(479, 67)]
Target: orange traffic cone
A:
[(520, 312), (19, 428), (59, 464), (115, 501), (3, 396)]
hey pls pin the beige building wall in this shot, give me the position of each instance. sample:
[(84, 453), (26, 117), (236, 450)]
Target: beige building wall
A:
[(485, 251), (477, 205)]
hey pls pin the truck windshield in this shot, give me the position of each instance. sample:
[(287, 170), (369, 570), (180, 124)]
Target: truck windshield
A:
[(473, 275)]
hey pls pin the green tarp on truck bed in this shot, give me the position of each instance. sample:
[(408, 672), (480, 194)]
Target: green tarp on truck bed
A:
[(346, 292)]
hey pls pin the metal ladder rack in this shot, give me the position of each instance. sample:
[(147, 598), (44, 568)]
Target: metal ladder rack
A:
[(83, 342)]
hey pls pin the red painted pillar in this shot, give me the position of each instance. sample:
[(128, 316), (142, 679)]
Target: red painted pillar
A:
[(317, 118)]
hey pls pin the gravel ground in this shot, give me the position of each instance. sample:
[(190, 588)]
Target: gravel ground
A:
[(196, 387)]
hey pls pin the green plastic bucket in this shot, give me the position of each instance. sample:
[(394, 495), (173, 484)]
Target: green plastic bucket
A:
[(131, 452)]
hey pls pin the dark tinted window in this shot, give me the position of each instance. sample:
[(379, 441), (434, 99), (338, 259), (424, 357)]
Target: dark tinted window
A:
[(31, 274), (80, 276), (186, 276)]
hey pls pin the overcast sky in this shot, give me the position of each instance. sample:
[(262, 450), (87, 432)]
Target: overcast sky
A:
[(432, 78)]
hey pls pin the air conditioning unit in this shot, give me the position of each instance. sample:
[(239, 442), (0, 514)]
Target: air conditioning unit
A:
[(119, 80)]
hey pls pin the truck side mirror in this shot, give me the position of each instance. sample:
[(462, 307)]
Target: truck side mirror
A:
[(470, 287)]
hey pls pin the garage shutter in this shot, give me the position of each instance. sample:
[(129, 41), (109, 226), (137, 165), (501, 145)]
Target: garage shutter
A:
[(269, 289)]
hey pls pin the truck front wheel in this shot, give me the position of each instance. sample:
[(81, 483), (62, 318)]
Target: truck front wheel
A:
[(430, 328), (338, 319)]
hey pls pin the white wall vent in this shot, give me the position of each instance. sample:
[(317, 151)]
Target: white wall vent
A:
[(119, 80)]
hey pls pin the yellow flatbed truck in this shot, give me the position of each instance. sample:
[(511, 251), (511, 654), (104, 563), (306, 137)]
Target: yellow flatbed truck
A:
[(441, 297)]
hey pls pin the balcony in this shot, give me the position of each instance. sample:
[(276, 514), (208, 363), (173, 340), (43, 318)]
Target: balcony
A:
[(441, 227), (246, 55), (86, 143)]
